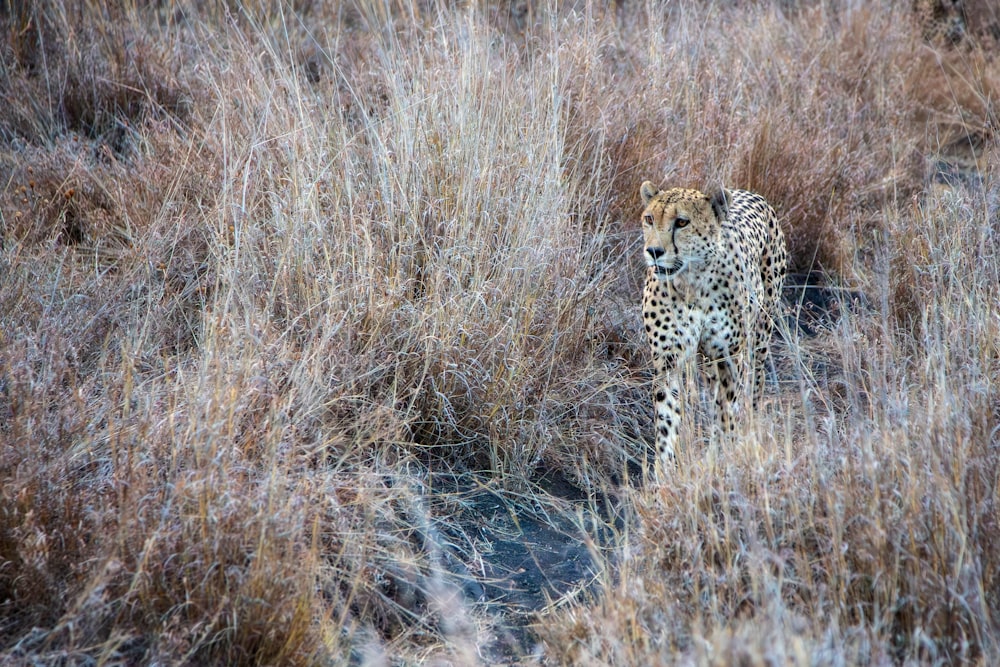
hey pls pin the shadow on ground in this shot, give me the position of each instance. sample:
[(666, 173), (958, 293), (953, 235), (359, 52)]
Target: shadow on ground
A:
[(516, 554)]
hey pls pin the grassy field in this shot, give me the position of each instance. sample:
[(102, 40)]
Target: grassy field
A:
[(285, 285)]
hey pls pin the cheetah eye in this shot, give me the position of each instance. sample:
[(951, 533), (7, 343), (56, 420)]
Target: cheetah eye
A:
[(647, 220), (681, 222)]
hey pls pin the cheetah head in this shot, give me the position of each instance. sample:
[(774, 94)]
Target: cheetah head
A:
[(681, 228)]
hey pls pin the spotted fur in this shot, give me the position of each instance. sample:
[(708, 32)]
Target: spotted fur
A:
[(716, 266)]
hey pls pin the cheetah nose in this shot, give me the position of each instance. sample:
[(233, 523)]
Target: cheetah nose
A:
[(655, 253)]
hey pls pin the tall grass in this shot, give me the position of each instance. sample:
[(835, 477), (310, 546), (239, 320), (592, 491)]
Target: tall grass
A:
[(268, 269)]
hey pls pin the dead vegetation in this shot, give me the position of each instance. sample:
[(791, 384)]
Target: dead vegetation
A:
[(269, 269)]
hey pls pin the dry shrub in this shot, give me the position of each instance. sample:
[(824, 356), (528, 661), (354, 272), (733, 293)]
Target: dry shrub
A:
[(70, 215), (956, 93), (954, 118), (84, 67), (303, 264), (93, 138), (831, 139), (168, 541), (824, 137), (832, 146), (46, 524), (857, 555), (107, 211), (460, 283)]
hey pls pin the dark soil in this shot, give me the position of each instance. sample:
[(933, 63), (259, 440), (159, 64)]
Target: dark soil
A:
[(513, 555)]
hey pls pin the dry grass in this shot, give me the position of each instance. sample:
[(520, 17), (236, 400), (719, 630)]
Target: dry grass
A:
[(269, 268)]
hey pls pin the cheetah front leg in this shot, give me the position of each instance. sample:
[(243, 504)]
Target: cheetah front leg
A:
[(667, 387), (726, 379), (666, 404)]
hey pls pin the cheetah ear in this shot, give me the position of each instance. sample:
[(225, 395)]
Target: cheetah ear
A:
[(648, 191), (720, 204)]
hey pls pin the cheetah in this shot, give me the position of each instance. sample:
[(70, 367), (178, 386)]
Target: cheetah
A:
[(962, 24), (942, 22), (715, 269)]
